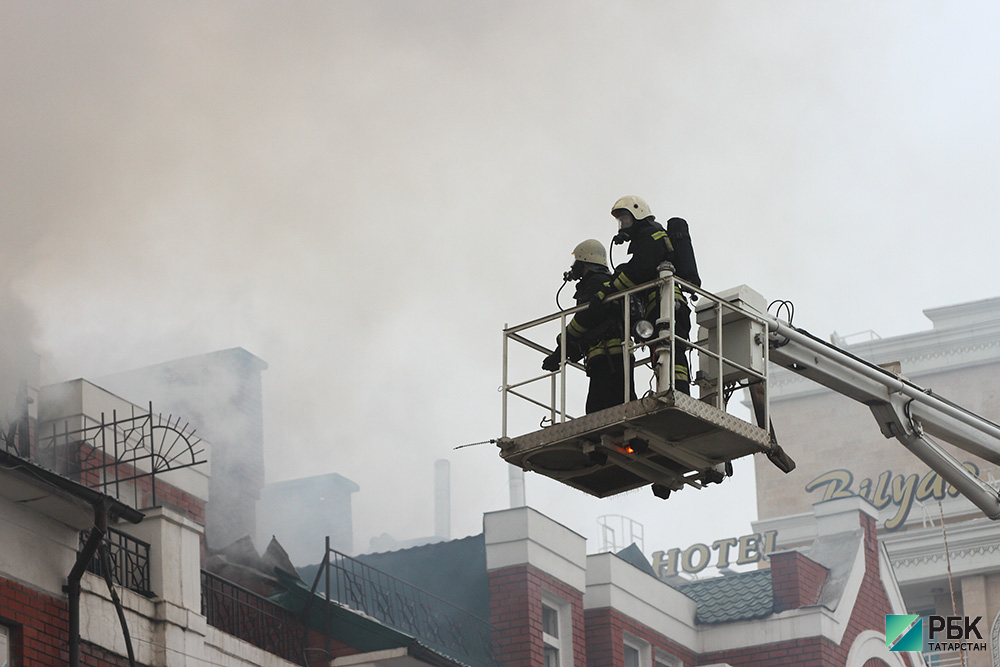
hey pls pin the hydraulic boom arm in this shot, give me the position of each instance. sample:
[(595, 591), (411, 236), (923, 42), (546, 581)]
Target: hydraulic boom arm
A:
[(902, 409)]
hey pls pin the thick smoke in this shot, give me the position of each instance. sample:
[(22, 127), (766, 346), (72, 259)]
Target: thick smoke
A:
[(363, 193), (18, 360)]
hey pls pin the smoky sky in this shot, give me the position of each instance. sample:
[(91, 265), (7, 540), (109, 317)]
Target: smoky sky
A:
[(363, 193)]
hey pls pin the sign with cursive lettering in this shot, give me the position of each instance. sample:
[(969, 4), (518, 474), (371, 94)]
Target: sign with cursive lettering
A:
[(900, 491)]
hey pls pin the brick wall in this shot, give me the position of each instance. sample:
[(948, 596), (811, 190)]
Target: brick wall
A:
[(873, 603), (516, 614), (606, 630), (796, 581), (166, 494), (39, 626)]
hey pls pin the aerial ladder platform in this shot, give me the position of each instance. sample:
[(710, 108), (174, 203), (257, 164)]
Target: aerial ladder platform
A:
[(668, 440)]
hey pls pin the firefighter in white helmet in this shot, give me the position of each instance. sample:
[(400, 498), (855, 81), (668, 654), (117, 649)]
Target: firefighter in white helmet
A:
[(650, 245), (596, 333)]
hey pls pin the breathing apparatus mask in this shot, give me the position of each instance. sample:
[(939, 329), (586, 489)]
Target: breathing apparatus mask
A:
[(575, 272), (625, 224), (580, 269)]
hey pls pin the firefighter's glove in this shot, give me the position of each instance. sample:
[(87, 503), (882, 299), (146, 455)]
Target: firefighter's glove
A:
[(551, 362)]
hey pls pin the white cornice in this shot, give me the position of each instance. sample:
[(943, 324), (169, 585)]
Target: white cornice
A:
[(523, 536), (919, 555), (963, 314)]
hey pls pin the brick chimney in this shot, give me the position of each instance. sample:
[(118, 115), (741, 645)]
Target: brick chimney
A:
[(796, 580)]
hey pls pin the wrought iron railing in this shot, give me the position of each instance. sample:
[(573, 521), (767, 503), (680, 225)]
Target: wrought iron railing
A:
[(121, 456), (252, 618), (128, 561), (434, 622)]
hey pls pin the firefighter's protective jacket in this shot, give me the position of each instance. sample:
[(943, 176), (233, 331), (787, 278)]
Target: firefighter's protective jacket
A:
[(597, 330), (650, 246)]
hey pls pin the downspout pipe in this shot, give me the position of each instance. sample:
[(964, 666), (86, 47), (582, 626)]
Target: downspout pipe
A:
[(94, 540)]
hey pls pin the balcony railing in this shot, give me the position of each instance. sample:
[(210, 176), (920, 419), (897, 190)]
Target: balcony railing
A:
[(128, 561), (252, 618), (435, 622), (122, 456), (943, 659)]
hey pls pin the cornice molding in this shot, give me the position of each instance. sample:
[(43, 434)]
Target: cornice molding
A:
[(970, 545), (954, 554)]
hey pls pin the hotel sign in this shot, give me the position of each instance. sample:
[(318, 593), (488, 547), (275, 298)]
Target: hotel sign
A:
[(721, 553)]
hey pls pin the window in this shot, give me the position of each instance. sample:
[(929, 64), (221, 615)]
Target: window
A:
[(551, 656), (556, 632), (5, 647), (550, 621), (632, 658), (664, 659), (637, 652)]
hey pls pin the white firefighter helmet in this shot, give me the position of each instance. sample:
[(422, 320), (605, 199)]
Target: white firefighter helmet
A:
[(591, 251), (637, 206)]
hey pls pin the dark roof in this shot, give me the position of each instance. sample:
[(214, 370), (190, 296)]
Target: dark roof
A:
[(743, 596), (376, 611), (351, 627), (454, 571)]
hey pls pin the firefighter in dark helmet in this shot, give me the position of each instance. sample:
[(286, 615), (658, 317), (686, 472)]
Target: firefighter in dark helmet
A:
[(596, 333), (650, 245)]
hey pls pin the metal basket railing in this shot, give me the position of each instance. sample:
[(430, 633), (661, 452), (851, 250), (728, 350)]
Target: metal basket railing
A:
[(702, 351)]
